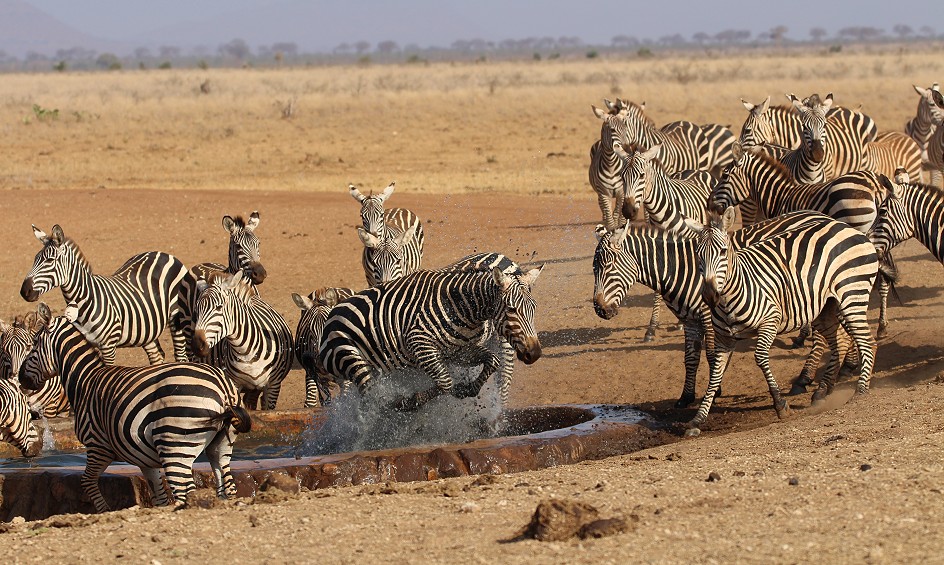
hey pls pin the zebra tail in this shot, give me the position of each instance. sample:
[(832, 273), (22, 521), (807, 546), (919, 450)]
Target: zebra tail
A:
[(235, 416), (889, 273)]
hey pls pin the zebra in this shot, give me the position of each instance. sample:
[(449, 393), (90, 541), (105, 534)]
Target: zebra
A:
[(16, 420), (891, 150), (770, 125), (259, 351), (820, 273), (426, 318), (15, 343), (243, 251), (923, 127), (157, 417), (668, 264), (393, 239), (129, 308), (719, 142), (830, 147), (315, 310)]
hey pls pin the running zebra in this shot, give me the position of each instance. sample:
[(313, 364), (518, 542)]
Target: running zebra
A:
[(315, 310), (393, 239), (924, 125), (158, 417), (127, 309), (668, 264), (891, 150), (819, 274), (15, 344), (830, 147), (16, 420), (426, 318), (258, 355)]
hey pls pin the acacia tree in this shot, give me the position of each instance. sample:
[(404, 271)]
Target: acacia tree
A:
[(818, 33)]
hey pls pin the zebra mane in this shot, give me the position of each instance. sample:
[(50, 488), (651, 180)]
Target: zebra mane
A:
[(635, 148), (772, 162), (75, 248), (637, 109), (239, 222), (643, 229)]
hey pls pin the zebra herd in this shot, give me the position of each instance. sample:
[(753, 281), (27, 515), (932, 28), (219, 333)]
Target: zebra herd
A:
[(839, 198), (228, 341)]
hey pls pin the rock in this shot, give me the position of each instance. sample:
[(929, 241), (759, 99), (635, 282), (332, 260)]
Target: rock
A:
[(18, 520), (673, 456), (793, 481), (469, 507), (865, 467), (558, 520), (282, 482), (202, 498), (713, 477), (605, 527)]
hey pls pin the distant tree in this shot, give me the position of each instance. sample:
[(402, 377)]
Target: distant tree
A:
[(701, 37), (142, 53), (108, 61), (669, 40), (546, 42), (732, 36), (926, 31), (33, 56), (861, 33), (287, 48), (362, 47), (903, 31), (624, 41), (818, 34), (777, 33), (343, 48), (168, 52), (236, 49), (387, 46)]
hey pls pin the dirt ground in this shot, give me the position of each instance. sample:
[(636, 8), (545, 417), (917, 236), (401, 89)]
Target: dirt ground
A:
[(868, 473)]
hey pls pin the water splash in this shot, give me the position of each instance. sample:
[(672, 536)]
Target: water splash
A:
[(49, 442)]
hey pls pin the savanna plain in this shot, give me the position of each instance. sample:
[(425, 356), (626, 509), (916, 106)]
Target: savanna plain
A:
[(493, 157)]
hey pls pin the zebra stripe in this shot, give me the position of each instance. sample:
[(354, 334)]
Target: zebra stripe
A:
[(912, 210), (127, 309), (258, 355), (15, 344), (923, 127), (892, 150), (423, 318), (719, 143), (243, 251), (820, 274), (157, 417), (668, 264), (315, 310), (853, 198), (770, 125), (16, 420), (393, 239)]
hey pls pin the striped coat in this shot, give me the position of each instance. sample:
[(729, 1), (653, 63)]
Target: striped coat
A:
[(315, 310), (393, 239), (15, 344), (16, 420)]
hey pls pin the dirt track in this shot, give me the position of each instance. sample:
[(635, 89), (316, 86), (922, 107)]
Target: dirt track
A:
[(891, 513)]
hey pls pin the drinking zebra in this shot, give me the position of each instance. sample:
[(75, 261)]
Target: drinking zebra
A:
[(426, 318), (923, 127), (258, 355), (158, 418), (315, 310), (821, 274), (16, 420), (127, 309), (393, 239), (15, 344)]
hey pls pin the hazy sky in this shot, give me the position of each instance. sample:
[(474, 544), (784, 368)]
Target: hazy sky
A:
[(322, 24)]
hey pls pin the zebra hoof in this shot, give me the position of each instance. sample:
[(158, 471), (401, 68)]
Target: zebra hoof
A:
[(797, 389), (882, 332), (692, 432), (819, 397), (649, 337), (782, 408), (798, 343), (685, 401)]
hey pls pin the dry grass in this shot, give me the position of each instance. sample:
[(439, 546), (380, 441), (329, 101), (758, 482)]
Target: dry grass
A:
[(513, 127)]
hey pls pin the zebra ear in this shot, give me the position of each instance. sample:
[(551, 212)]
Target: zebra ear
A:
[(729, 217), (765, 104), (531, 276), (302, 302), (5, 328), (367, 238), (737, 151), (72, 312), (921, 91), (40, 234), (229, 224), (693, 225), (201, 286), (642, 106), (651, 153), (234, 280), (57, 235), (797, 103), (356, 193), (598, 112), (938, 98), (407, 235), (44, 314), (330, 297), (599, 231), (253, 222), (747, 105), (611, 108), (828, 102), (387, 191)]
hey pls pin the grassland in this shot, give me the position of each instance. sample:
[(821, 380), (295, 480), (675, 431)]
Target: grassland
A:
[(522, 127)]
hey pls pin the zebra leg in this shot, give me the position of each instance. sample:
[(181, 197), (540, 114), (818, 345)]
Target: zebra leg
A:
[(505, 376), (828, 326), (490, 364), (97, 460), (158, 493), (219, 452), (765, 339), (858, 329), (270, 395), (178, 466), (724, 345), (653, 319), (179, 339), (312, 390), (693, 341), (605, 207), (154, 352), (251, 399), (808, 374), (801, 338), (883, 289)]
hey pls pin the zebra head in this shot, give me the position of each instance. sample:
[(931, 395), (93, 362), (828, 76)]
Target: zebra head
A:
[(16, 420), (894, 222), (757, 129), (52, 265), (614, 132), (372, 209), (316, 307), (714, 252), (385, 260), (244, 247), (515, 318), (17, 340), (42, 362), (734, 186), (931, 105), (812, 113), (638, 172), (215, 312), (614, 272)]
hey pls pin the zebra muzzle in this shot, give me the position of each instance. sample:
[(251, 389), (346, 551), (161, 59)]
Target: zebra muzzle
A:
[(257, 273), (28, 292), (201, 348), (529, 351), (710, 294), (818, 151), (604, 309), (32, 449)]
